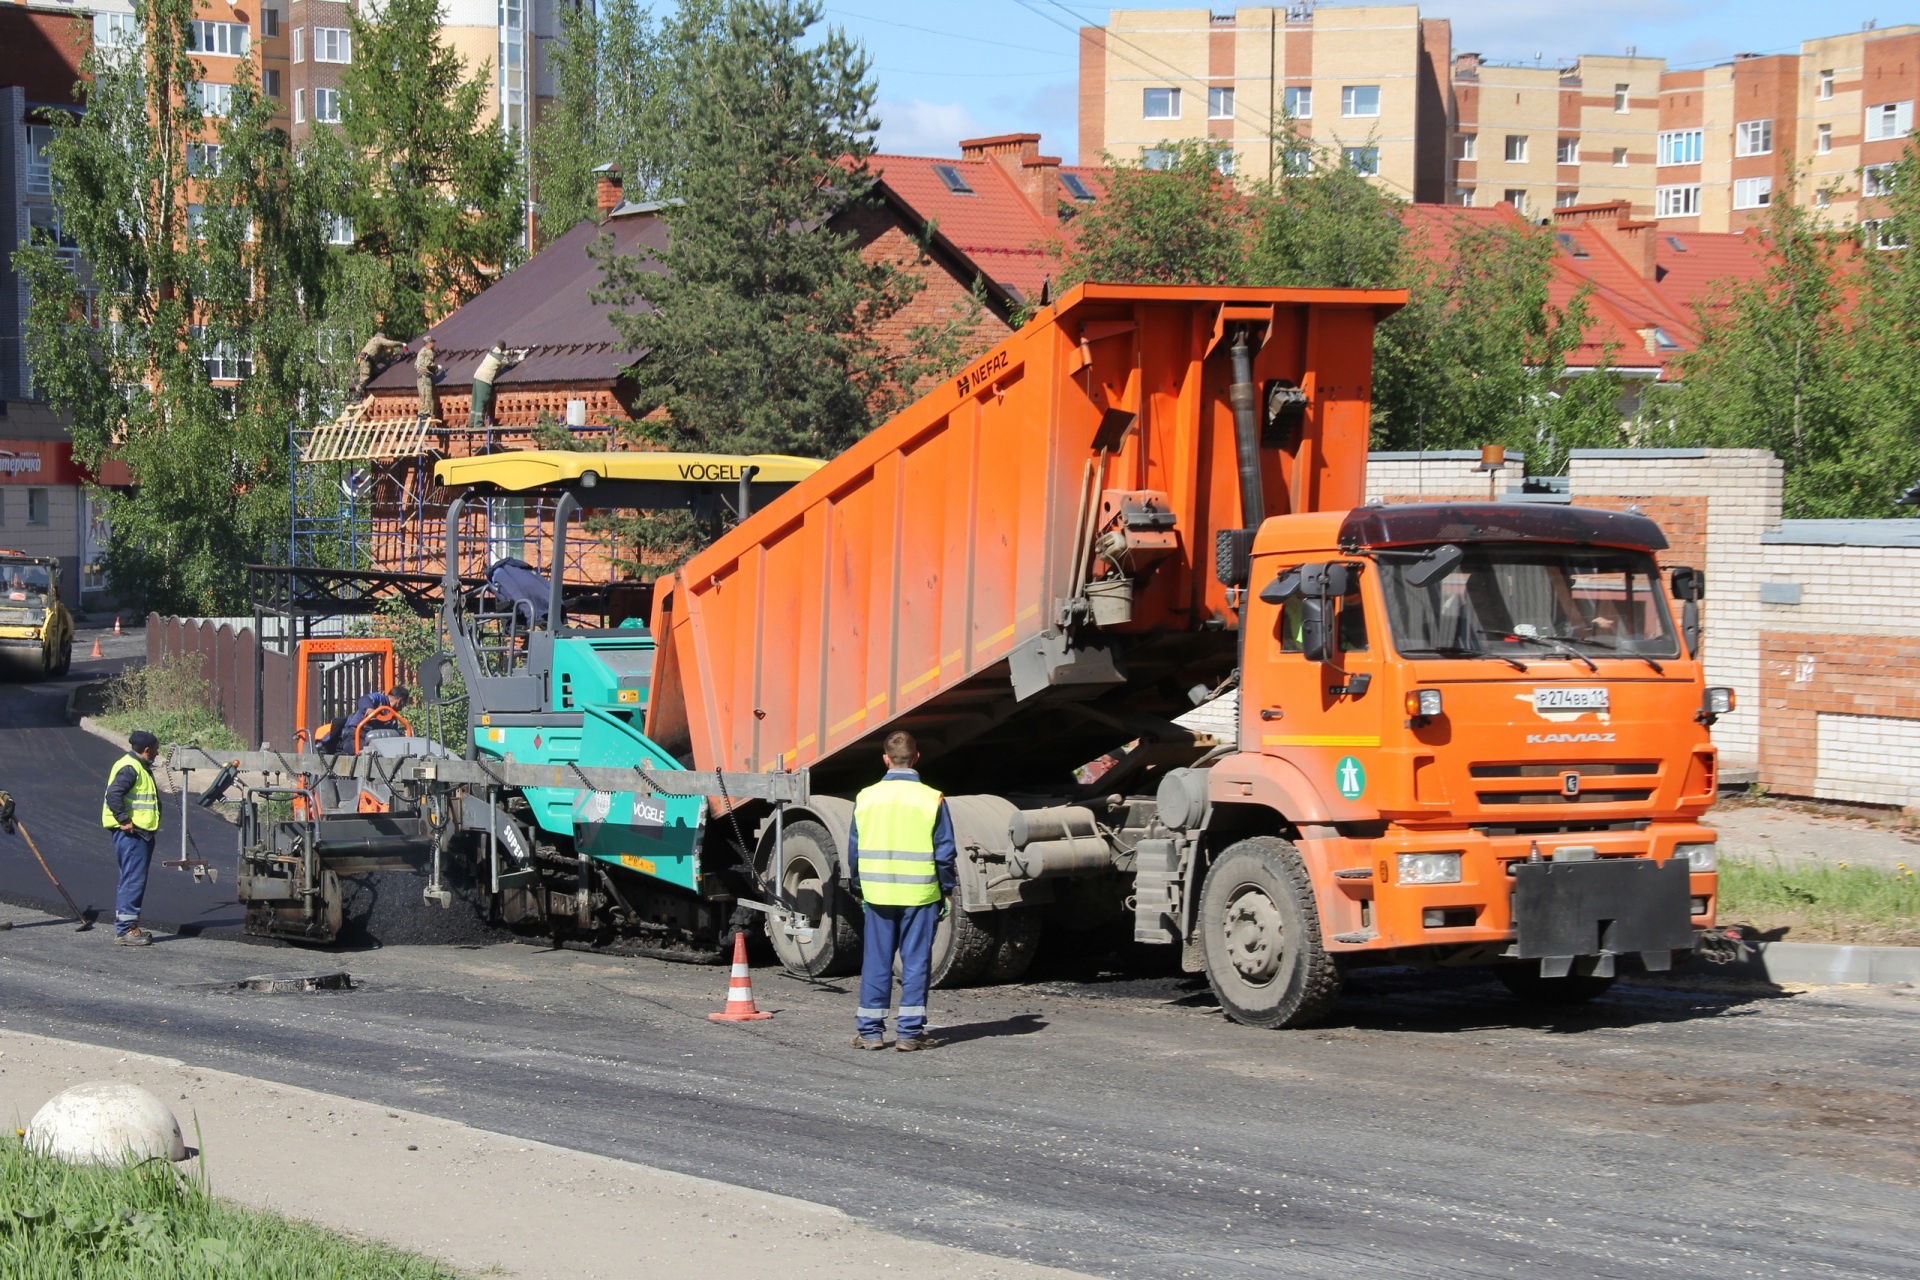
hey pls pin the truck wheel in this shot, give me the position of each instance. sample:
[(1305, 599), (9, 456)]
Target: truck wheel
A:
[(963, 947), (811, 883), (1524, 981), (1016, 938), (1260, 934)]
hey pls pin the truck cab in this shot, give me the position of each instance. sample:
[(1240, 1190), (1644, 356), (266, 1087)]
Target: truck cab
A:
[(36, 631)]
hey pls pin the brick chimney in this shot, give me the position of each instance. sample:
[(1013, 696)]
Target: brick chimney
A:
[(608, 191), (1036, 176), (1637, 242)]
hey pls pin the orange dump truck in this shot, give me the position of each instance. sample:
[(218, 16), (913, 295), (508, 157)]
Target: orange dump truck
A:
[(1465, 733)]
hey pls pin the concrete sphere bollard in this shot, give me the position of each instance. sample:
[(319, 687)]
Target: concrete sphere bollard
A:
[(105, 1122)]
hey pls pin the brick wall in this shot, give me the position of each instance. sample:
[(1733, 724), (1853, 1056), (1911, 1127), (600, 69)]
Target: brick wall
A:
[(944, 298), (1812, 682)]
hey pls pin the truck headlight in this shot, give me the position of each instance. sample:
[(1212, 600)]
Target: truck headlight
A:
[(1429, 868), (1704, 857), (1719, 700), (1423, 702)]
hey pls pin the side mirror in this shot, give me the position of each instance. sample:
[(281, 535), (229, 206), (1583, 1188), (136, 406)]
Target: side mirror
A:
[(1689, 588), (1689, 584), (1437, 563), (1284, 586), (431, 675), (1316, 640)]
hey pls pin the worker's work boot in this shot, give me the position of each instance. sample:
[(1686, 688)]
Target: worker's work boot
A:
[(861, 1042), (908, 1044), (134, 937)]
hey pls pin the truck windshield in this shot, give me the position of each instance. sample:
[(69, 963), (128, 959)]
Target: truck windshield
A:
[(1504, 600)]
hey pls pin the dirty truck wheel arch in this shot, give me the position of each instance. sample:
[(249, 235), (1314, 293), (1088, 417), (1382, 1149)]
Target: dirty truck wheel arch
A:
[(1259, 929)]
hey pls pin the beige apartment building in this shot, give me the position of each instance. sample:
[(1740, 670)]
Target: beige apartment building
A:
[(1379, 88), (1366, 85)]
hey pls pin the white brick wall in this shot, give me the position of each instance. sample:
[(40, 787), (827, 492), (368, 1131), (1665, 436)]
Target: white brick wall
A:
[(1869, 759)]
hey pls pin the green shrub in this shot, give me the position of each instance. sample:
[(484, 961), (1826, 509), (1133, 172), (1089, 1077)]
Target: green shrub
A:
[(171, 700)]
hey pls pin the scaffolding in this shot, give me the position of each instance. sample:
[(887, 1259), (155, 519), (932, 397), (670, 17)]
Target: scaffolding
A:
[(364, 499)]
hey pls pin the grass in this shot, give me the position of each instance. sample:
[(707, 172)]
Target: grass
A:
[(1826, 903), (171, 700), (149, 1220)]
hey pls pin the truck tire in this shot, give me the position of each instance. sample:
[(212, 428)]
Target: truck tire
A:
[(811, 882), (1260, 935), (1525, 982), (1016, 939), (963, 947)]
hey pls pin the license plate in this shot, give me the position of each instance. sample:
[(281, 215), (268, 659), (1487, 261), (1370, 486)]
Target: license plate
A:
[(1570, 699)]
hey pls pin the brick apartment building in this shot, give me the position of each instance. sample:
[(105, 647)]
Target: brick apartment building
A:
[(1698, 150)]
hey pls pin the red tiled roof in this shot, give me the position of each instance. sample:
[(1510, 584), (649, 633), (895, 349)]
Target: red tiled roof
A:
[(993, 224)]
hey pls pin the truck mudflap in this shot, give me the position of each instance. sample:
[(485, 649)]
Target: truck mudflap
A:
[(1604, 908)]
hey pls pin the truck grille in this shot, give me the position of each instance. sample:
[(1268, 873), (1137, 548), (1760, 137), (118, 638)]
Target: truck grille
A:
[(1585, 768), (1601, 781), (1556, 797)]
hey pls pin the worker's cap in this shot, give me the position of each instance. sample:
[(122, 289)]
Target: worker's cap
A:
[(141, 740)]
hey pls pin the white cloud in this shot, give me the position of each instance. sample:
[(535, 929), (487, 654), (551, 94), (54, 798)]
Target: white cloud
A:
[(921, 128)]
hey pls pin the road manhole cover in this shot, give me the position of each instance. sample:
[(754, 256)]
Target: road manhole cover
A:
[(285, 982)]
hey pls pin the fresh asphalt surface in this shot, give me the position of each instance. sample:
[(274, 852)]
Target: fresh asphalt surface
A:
[(1108, 1120)]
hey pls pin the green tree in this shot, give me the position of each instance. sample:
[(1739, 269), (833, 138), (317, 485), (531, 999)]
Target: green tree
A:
[(1884, 456), (1773, 369), (763, 334), (174, 323), (1180, 222), (430, 184)]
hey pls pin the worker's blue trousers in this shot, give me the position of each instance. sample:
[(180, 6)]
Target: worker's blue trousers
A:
[(907, 931), (135, 856)]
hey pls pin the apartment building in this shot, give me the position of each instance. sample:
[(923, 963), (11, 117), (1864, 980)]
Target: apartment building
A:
[(1272, 86), (1379, 88)]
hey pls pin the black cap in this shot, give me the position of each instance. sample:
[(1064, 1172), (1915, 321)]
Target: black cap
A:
[(140, 740)]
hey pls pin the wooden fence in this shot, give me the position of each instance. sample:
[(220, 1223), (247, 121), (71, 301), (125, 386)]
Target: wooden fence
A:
[(260, 710)]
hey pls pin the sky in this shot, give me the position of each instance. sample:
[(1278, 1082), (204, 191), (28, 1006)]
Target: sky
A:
[(949, 69)]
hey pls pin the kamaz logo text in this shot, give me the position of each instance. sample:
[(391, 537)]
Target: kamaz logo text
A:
[(1534, 739)]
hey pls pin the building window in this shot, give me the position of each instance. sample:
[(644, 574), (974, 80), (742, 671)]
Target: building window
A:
[(339, 228), (1677, 202), (513, 71), (203, 158), (37, 506), (1822, 198), (197, 221), (269, 22), (299, 106), (1823, 139), (1223, 161), (1889, 120), (1517, 197), (1469, 146), (299, 44), (1160, 104), (1364, 161), (1619, 157), (1360, 100), (1620, 94), (39, 163), (1753, 138), (215, 99), (221, 360), (1881, 233), (332, 44), (1876, 180), (1826, 84), (1516, 148), (1296, 161), (1219, 104), (224, 39), (950, 177), (1156, 158), (1752, 193), (1075, 185), (115, 30), (1298, 103), (1568, 152), (1681, 146), (326, 106), (1566, 199), (1463, 196)]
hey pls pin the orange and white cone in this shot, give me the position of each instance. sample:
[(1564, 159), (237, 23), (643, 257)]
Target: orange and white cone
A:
[(740, 1006), (96, 646), (116, 624)]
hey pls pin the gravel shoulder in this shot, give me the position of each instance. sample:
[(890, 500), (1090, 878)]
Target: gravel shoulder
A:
[(481, 1201), (1783, 832)]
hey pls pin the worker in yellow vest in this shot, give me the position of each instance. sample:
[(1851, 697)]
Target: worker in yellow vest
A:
[(905, 873), (132, 812)]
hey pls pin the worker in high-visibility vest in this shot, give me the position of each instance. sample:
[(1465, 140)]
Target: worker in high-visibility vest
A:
[(132, 812), (900, 848)]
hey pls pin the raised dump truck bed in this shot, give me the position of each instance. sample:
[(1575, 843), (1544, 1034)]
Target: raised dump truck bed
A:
[(926, 578)]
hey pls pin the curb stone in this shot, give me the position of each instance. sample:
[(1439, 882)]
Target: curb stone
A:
[(1820, 964)]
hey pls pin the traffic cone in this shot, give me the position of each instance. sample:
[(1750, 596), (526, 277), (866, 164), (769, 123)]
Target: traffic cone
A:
[(740, 1006), (116, 624), (96, 646)]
